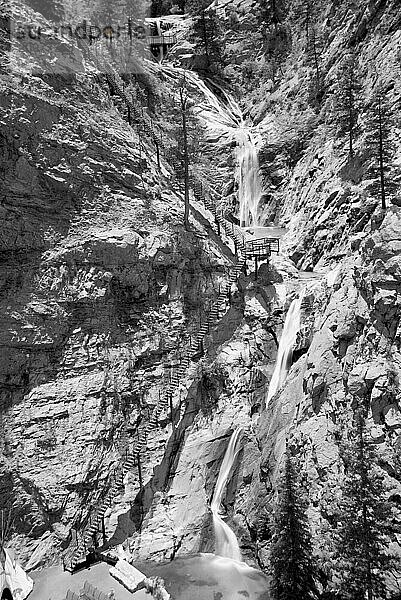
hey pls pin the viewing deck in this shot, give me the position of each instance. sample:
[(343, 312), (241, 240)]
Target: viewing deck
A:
[(262, 249), (162, 40)]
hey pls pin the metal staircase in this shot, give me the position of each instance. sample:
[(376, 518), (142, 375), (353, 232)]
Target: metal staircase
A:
[(83, 540), (261, 248), (143, 121)]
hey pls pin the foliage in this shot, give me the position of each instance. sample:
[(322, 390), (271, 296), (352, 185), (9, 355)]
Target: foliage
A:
[(164, 7), (347, 91), (214, 380), (361, 553), (379, 124), (303, 17), (304, 13), (187, 135), (276, 45), (48, 442), (273, 12), (117, 12), (155, 586), (207, 34), (291, 559), (314, 49)]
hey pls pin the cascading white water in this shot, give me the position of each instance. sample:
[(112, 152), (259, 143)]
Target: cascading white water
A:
[(226, 541), (249, 184), (228, 117), (288, 338), (213, 112)]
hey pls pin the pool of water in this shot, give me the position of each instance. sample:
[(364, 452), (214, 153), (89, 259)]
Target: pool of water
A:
[(211, 577), (257, 233), (200, 577)]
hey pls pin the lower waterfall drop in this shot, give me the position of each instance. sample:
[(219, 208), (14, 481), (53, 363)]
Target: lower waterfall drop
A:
[(287, 342), (225, 539)]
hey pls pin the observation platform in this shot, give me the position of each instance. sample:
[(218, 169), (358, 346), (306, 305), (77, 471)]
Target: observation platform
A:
[(162, 40), (262, 249)]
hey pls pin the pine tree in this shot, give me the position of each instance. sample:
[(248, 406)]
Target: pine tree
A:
[(276, 45), (379, 124), (116, 14), (347, 100), (273, 12), (187, 135), (303, 17), (207, 33), (364, 516), (306, 17), (303, 13), (313, 52), (275, 34), (291, 549)]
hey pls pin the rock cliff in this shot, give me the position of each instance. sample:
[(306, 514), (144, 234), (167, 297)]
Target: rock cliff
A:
[(102, 289)]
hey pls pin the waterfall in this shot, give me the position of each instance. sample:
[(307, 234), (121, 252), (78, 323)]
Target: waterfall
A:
[(226, 541), (288, 338), (249, 188)]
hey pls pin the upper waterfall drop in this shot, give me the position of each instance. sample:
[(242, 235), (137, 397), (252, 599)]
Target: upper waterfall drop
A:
[(249, 184), (226, 541), (286, 346)]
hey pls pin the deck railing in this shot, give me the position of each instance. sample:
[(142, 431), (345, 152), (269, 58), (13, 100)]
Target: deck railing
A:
[(162, 40), (262, 248)]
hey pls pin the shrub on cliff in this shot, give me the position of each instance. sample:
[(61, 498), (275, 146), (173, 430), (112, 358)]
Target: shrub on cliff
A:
[(155, 586), (273, 11)]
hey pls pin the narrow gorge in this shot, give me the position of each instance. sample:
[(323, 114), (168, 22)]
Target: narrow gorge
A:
[(200, 300)]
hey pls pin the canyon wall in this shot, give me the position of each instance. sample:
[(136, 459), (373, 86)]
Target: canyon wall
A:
[(102, 288)]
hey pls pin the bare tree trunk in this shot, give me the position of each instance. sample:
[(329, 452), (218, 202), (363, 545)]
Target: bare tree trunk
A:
[(205, 38)]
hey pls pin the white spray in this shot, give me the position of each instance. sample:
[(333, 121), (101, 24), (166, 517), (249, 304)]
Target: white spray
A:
[(226, 541), (286, 346), (249, 184)]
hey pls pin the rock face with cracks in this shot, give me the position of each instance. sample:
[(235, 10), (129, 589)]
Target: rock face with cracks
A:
[(102, 289)]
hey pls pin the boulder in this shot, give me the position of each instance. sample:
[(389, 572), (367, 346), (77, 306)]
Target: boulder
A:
[(130, 577)]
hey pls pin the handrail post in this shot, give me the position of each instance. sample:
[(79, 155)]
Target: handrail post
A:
[(103, 531), (140, 472), (170, 398)]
